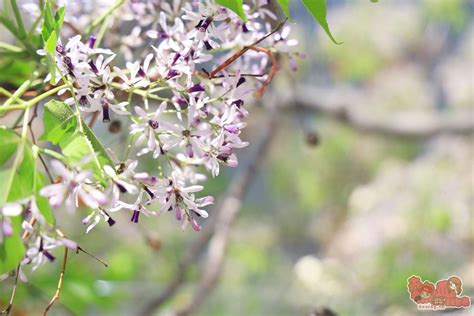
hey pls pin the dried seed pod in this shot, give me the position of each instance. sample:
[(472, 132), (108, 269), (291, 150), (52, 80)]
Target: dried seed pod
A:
[(312, 138), (115, 127)]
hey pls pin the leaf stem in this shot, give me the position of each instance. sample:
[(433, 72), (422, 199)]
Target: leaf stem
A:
[(7, 310), (101, 19), (60, 283), (11, 48), (19, 21), (25, 85), (29, 103), (142, 93), (7, 93), (52, 153)]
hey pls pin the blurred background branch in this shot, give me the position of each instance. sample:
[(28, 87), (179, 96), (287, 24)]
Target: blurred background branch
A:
[(338, 106)]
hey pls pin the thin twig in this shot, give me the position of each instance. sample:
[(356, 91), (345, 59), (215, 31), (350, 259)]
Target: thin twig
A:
[(8, 309), (94, 117), (241, 75), (60, 283), (26, 233), (237, 55)]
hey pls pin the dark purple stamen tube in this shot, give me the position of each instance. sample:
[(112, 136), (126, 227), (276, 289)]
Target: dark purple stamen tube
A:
[(93, 67), (241, 81), (135, 215), (171, 74), (110, 221), (244, 28), (149, 192), (105, 112), (91, 41), (141, 73), (196, 88), (238, 103), (204, 25), (181, 101), (121, 188), (175, 58), (223, 157), (208, 45), (48, 255), (68, 63)]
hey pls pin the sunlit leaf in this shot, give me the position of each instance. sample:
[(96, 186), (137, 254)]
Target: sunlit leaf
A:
[(45, 209), (284, 6), (12, 249), (48, 21), (59, 18), (14, 70), (50, 45), (317, 8), (234, 5), (61, 128), (58, 119), (23, 181), (8, 143)]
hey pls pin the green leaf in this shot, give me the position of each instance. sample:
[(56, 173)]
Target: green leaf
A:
[(45, 209), (318, 9), (51, 63), (48, 21), (50, 34), (8, 143), (4, 176), (58, 120), (15, 70), (61, 128), (234, 5), (22, 185), (12, 249), (50, 45), (284, 7), (23, 182), (9, 25), (59, 18)]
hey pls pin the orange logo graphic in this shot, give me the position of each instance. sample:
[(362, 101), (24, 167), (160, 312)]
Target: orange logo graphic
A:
[(445, 294)]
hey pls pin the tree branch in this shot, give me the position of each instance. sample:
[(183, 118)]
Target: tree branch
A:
[(341, 111), (60, 283)]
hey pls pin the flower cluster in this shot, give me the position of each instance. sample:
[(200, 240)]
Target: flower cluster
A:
[(183, 102)]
